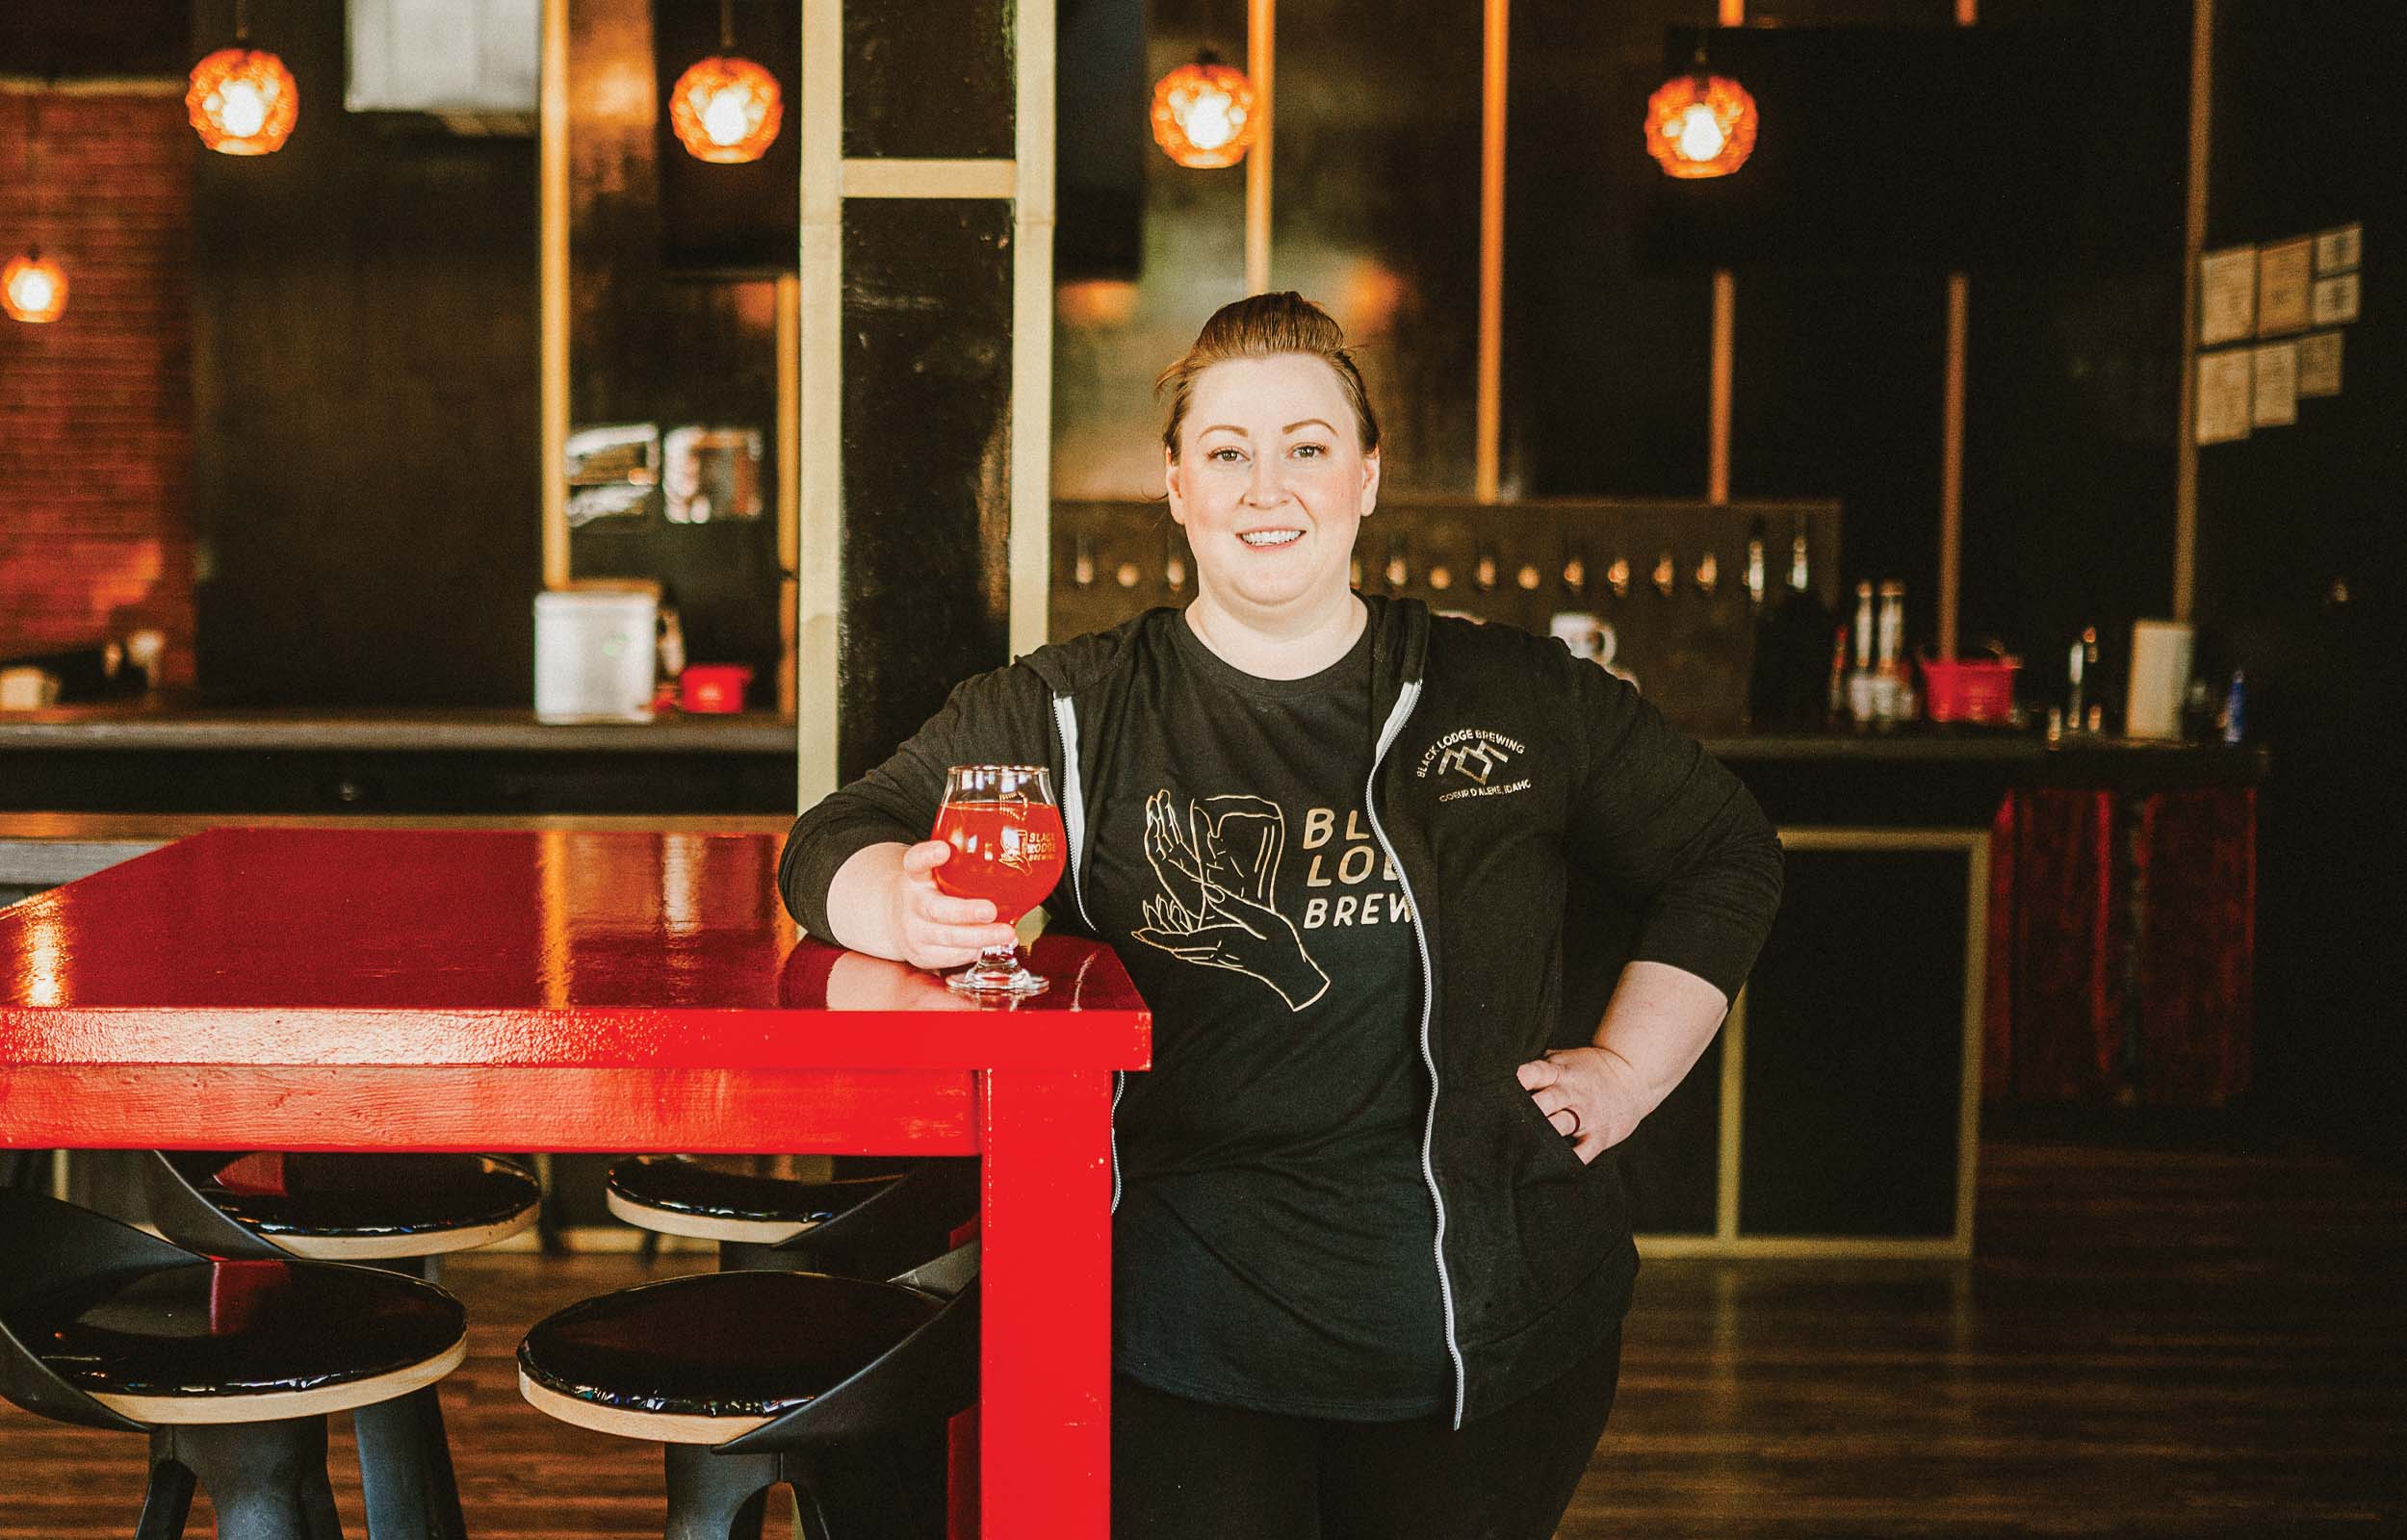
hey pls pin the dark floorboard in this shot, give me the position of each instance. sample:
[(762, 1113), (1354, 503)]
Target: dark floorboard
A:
[(2159, 1342)]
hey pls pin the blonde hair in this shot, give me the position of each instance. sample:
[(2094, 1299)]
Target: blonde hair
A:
[(1266, 327)]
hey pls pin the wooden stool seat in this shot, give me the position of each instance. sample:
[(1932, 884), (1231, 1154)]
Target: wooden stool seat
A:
[(708, 1358), (714, 1198), (352, 1208), (247, 1342)]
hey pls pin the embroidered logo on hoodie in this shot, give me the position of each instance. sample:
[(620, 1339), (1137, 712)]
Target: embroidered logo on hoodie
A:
[(1476, 756)]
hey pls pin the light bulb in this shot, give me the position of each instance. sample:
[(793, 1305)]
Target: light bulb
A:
[(1701, 137), (32, 290), (1208, 123), (724, 118), (241, 109)]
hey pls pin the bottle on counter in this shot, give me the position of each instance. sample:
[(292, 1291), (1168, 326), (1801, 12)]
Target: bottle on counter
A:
[(1893, 694), (1788, 689), (1859, 692), (2081, 668), (2232, 726)]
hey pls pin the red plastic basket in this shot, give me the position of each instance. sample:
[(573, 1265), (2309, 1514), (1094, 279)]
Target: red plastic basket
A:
[(1969, 689)]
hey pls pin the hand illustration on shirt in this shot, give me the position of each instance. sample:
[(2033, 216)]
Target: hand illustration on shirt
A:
[(1216, 904)]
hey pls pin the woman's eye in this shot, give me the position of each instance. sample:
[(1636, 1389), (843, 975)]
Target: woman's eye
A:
[(1311, 451), (1226, 456)]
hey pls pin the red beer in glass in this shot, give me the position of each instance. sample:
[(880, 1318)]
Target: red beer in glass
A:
[(1008, 847)]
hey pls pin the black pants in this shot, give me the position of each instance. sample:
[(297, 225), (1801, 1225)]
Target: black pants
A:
[(1184, 1469)]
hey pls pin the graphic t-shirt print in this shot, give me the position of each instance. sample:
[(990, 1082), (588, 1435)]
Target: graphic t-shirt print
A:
[(1218, 907), (1218, 867)]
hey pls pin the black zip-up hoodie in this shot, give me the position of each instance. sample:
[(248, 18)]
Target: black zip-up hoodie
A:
[(1549, 829)]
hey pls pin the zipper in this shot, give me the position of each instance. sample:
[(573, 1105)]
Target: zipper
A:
[(1073, 825), (1420, 940)]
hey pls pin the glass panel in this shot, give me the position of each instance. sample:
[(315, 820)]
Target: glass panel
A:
[(1607, 352), (932, 78), (661, 364), (927, 439)]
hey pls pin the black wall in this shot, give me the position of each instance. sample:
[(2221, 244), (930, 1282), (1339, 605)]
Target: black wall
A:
[(2302, 550), (1840, 276), (365, 393)]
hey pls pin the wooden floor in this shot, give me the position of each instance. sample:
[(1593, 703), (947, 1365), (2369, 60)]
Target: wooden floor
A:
[(2161, 1343)]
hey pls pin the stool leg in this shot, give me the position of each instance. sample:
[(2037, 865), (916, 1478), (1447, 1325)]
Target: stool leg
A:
[(716, 1497), (406, 1470), (169, 1501), (267, 1480)]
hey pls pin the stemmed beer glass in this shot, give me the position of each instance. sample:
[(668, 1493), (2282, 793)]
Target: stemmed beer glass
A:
[(1008, 847)]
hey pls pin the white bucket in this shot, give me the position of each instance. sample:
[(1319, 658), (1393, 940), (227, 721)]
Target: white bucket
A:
[(595, 656)]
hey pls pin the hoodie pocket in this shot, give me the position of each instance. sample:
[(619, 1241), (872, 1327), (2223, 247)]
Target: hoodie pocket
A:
[(1564, 1211)]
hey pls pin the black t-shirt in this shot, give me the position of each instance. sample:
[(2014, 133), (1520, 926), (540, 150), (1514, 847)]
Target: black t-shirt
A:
[(1275, 1244)]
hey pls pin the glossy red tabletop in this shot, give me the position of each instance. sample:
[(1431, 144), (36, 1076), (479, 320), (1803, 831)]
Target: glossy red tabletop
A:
[(319, 946)]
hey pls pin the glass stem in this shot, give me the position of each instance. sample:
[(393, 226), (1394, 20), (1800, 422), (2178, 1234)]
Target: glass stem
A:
[(1006, 956)]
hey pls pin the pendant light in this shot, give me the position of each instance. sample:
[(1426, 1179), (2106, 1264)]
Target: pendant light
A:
[(1701, 123), (242, 100), (1203, 114), (726, 108), (33, 287)]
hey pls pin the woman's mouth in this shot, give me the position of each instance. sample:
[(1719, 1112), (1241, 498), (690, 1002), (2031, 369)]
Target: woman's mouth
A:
[(1263, 539)]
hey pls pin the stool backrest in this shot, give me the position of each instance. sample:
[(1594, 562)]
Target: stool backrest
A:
[(51, 1249), (171, 1187), (928, 1376), (905, 1223)]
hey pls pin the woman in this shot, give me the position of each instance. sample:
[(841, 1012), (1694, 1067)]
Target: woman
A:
[(1377, 872)]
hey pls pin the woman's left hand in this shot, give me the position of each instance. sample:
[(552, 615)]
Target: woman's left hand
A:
[(1588, 1095)]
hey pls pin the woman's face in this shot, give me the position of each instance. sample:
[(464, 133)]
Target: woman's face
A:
[(1271, 482)]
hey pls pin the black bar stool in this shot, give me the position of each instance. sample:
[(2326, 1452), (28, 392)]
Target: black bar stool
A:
[(861, 1226), (838, 1387), (401, 1213), (231, 1367)]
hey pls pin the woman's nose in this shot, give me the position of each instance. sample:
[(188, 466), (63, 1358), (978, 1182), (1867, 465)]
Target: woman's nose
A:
[(1265, 487)]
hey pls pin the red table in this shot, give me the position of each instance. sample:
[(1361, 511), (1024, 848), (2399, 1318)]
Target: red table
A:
[(454, 989)]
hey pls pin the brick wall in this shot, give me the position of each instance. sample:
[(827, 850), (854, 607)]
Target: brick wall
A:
[(95, 408)]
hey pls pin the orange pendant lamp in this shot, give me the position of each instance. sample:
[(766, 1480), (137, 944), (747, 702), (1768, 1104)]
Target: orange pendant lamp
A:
[(242, 100), (1701, 123), (1203, 114), (726, 108), (33, 288)]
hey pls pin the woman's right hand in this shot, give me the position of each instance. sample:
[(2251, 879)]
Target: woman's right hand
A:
[(885, 902), (935, 929)]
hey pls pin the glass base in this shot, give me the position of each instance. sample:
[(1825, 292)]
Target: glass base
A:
[(996, 973)]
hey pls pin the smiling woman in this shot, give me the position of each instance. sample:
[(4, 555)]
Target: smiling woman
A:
[(1370, 1245)]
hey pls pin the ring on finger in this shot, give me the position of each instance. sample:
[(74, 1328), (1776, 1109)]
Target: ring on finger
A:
[(1576, 1125)]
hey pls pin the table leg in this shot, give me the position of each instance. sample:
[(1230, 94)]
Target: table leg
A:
[(1045, 1266)]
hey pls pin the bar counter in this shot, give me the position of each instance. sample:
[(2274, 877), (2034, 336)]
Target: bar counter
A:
[(167, 756), (1943, 884)]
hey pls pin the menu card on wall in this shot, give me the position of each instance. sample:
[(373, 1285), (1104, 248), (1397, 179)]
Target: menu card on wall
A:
[(2339, 249), (2335, 301), (2224, 388), (2226, 295), (2274, 384), (2320, 363), (2282, 273)]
